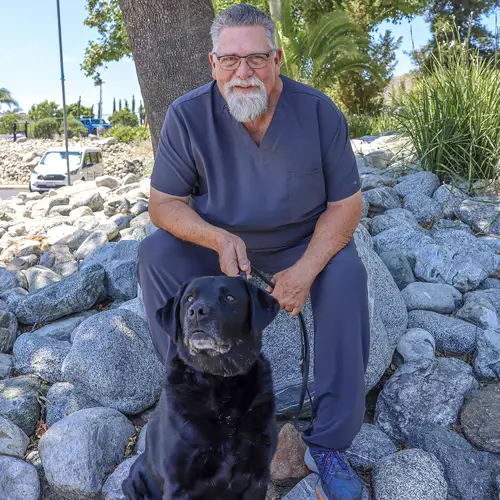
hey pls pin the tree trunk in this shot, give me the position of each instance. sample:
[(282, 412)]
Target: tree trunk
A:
[(275, 9), (170, 43)]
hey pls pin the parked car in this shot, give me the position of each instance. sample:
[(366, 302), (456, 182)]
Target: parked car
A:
[(51, 172), (92, 124)]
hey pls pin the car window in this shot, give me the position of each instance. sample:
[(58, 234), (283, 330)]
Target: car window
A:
[(88, 160), (95, 158), (58, 157)]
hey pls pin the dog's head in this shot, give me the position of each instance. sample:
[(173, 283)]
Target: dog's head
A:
[(217, 323)]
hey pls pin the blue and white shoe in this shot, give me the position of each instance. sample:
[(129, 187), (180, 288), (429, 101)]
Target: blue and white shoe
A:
[(338, 480)]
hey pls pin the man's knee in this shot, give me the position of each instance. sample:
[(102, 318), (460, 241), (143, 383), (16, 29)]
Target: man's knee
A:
[(346, 269)]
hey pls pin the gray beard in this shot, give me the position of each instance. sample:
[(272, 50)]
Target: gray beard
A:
[(246, 108)]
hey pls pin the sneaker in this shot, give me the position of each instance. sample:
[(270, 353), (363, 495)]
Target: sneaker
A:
[(338, 480)]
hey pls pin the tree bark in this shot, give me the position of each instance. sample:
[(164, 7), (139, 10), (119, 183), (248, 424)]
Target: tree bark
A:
[(170, 42), (275, 9)]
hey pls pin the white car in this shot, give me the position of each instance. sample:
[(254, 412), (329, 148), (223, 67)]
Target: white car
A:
[(85, 164)]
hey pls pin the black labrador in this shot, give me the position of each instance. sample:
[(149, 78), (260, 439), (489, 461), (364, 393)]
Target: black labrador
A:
[(213, 434)]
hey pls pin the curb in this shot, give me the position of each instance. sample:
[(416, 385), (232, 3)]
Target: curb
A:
[(14, 187)]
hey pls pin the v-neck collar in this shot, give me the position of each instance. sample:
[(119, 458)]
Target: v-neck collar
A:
[(243, 133)]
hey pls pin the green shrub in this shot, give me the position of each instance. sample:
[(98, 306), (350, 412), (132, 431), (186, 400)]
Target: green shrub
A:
[(75, 128), (360, 125), (124, 117), (452, 114), (7, 123), (128, 134), (45, 128)]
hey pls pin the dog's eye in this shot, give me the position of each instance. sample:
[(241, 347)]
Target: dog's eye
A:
[(189, 298), (230, 298)]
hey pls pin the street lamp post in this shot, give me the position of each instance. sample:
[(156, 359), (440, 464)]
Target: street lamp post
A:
[(63, 93)]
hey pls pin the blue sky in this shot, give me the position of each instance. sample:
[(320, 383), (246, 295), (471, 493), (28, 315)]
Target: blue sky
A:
[(29, 55)]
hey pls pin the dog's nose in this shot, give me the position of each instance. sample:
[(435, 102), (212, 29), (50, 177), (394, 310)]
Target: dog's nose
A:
[(199, 310)]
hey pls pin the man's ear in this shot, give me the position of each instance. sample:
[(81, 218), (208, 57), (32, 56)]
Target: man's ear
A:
[(168, 315), (263, 307)]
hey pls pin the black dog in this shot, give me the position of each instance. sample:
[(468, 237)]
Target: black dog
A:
[(213, 434)]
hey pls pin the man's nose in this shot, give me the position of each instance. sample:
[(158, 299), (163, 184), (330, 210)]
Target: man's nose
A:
[(244, 71), (199, 310)]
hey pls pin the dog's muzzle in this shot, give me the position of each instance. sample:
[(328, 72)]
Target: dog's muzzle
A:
[(205, 342)]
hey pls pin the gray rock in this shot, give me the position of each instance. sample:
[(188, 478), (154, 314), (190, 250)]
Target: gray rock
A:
[(399, 267), (438, 264), (450, 198), (487, 355), (8, 280), (381, 199), (91, 199), (121, 279), (13, 441), (80, 212), (445, 224), (80, 451), (395, 217), (18, 401), (130, 179), (113, 362), (436, 297), (371, 181), (141, 220), (424, 183), (62, 329), (112, 489), (489, 283), (107, 181), (368, 447), (122, 221), (39, 277), (468, 245), (402, 240), (423, 391), (492, 241), (109, 228), (89, 223), (139, 207), (480, 312), (481, 216), (96, 240), (410, 475), (469, 473), (75, 239), (60, 259), (136, 306), (6, 366), (140, 445), (74, 294), (115, 206), (60, 210), (42, 356), (479, 418), (425, 209), (18, 480), (416, 344), (63, 400), (8, 331), (492, 295), (388, 315), (22, 263), (452, 335)]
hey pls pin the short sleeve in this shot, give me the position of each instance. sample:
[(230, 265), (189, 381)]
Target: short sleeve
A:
[(174, 170), (339, 165)]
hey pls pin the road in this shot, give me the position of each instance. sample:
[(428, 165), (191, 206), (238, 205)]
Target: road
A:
[(8, 193)]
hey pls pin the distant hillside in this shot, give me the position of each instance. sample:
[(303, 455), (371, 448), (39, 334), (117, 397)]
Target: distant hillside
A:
[(405, 79)]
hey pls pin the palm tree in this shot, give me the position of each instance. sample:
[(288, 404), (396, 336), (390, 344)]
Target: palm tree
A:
[(7, 99), (315, 52)]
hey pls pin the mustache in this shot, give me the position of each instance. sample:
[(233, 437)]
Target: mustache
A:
[(250, 82)]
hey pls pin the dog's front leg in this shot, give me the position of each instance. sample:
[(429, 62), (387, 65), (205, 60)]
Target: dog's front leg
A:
[(258, 489)]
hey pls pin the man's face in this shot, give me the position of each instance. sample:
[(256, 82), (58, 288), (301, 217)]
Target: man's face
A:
[(246, 88)]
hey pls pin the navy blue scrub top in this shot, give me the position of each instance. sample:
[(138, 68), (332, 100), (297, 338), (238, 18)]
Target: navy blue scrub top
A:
[(270, 195)]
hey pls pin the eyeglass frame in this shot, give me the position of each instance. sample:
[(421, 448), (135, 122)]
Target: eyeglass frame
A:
[(268, 55)]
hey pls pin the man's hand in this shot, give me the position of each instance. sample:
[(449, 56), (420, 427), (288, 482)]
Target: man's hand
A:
[(233, 255), (291, 288)]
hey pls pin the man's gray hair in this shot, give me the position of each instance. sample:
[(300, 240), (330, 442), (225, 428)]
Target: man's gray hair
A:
[(242, 15)]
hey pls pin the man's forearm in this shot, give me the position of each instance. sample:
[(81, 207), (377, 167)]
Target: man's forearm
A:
[(333, 231), (182, 221)]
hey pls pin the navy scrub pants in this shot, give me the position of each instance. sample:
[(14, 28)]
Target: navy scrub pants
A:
[(340, 307)]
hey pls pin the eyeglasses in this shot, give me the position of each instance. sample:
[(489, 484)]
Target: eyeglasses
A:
[(255, 61)]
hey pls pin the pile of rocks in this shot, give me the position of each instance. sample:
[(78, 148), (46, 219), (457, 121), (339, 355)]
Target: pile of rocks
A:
[(79, 376), (18, 159)]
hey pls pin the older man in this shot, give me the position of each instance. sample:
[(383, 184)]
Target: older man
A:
[(254, 167)]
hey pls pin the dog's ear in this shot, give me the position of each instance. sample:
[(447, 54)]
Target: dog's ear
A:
[(168, 315), (263, 307)]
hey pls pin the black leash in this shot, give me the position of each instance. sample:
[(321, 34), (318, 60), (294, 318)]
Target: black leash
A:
[(304, 362)]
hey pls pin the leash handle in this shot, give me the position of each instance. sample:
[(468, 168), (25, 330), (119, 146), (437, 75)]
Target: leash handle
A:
[(304, 362)]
